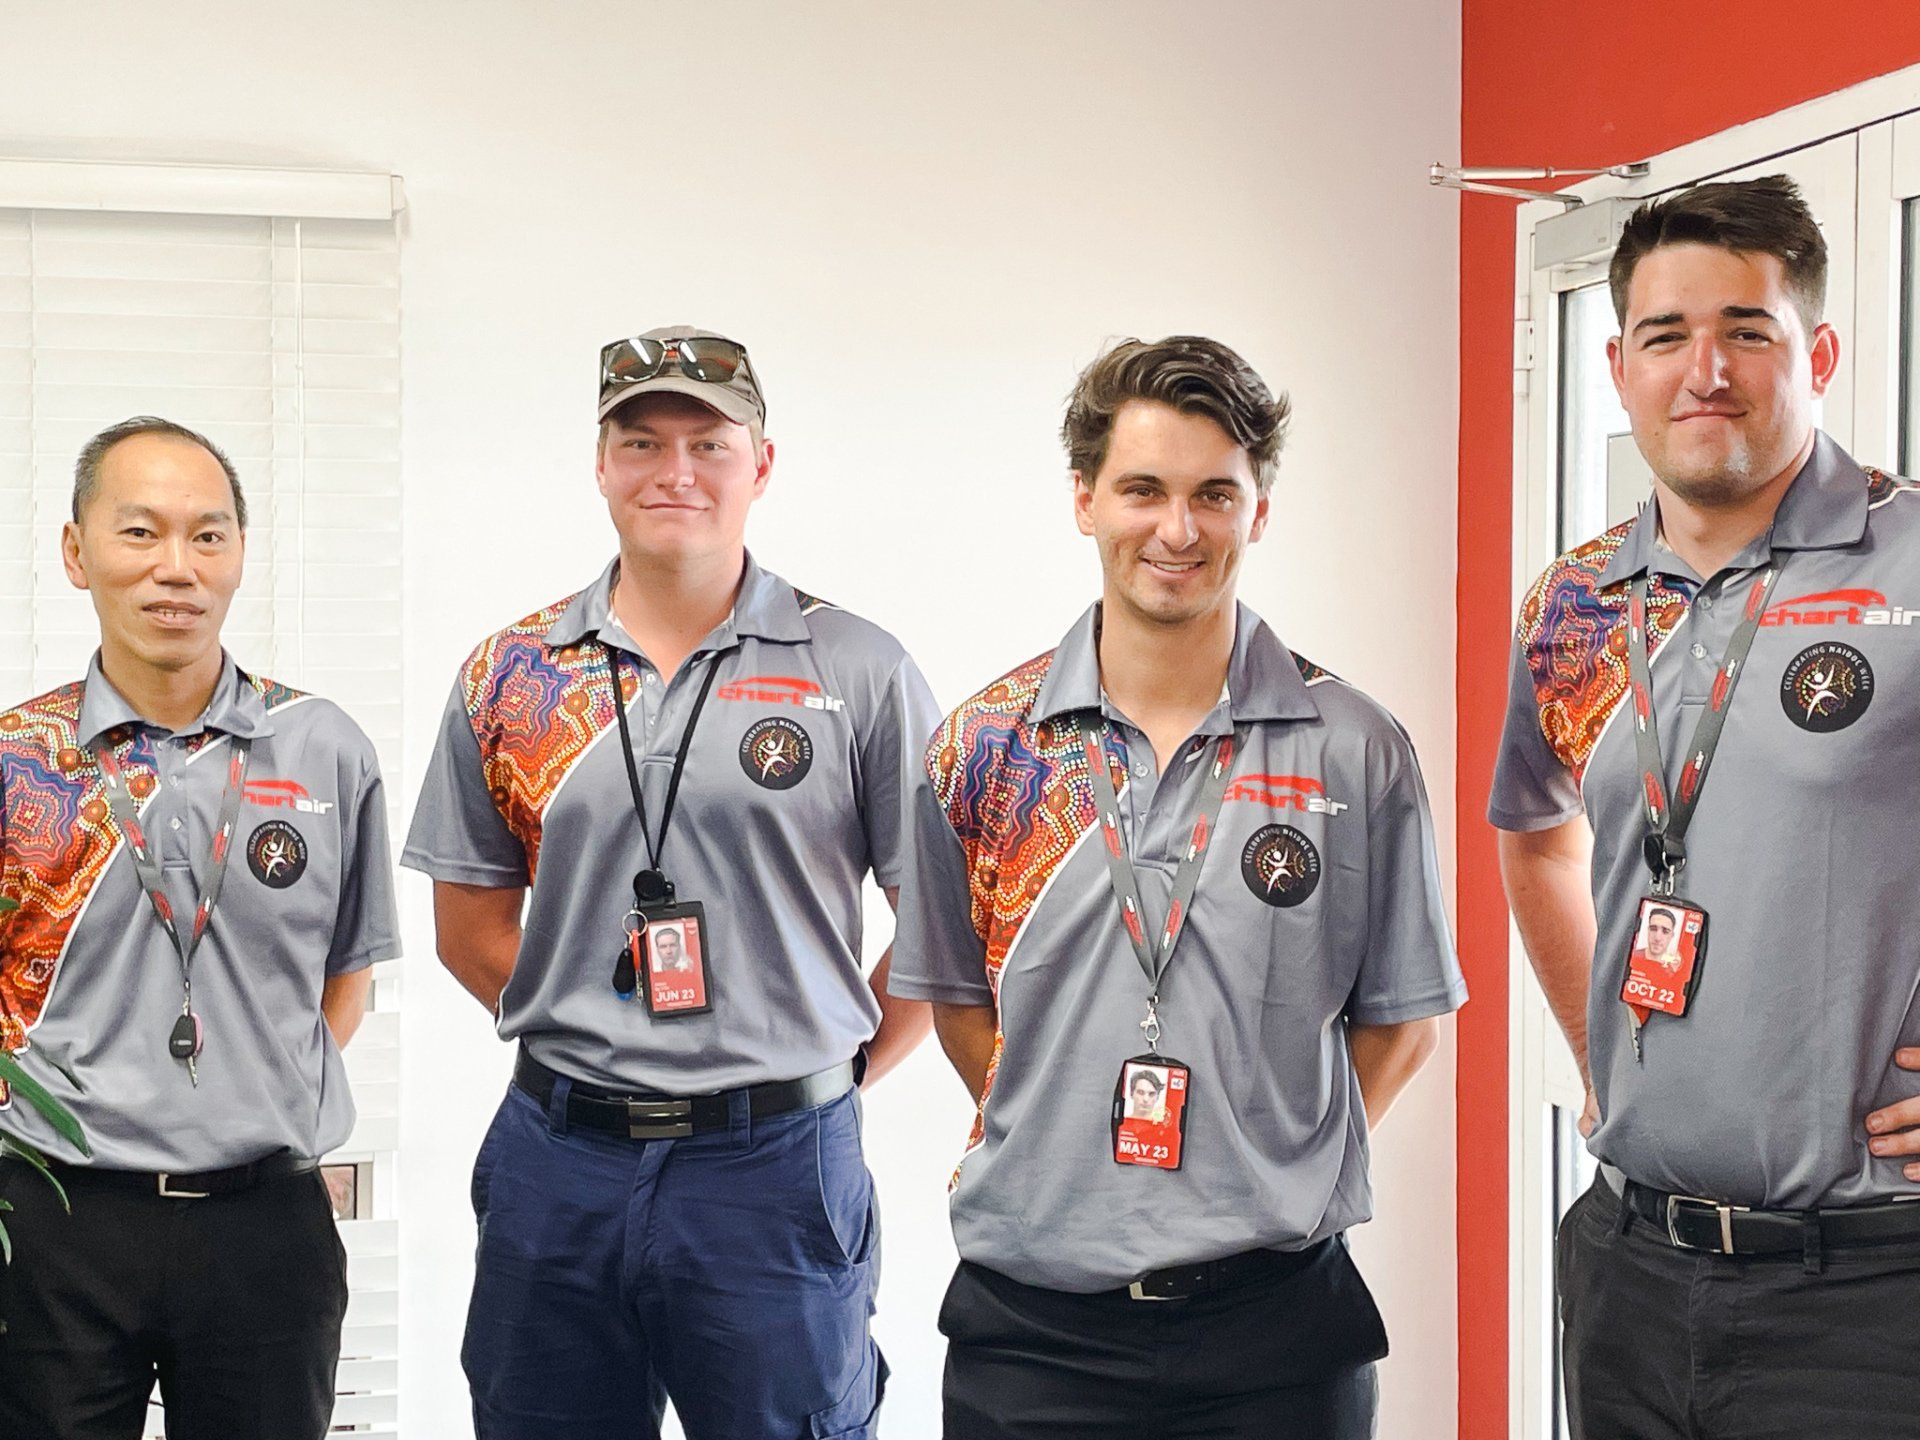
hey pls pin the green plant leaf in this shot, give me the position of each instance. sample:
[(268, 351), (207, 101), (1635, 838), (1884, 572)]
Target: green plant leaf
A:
[(38, 1096), (14, 1146)]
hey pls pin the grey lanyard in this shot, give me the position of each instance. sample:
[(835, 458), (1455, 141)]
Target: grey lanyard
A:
[(1665, 845), (1154, 956)]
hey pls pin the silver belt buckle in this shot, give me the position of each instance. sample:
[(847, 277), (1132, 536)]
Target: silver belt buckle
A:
[(1725, 1212), (659, 1119), (1138, 1293), (167, 1192)]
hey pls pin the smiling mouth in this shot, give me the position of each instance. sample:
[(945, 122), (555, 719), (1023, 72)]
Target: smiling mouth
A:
[(173, 614), (1173, 567)]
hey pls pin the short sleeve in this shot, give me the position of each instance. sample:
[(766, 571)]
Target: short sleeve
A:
[(458, 834), (938, 953), (1409, 971), (1532, 787), (889, 758), (366, 927)]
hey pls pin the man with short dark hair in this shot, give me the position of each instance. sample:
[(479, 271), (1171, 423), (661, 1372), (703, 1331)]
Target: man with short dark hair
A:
[(1710, 725), (688, 748), (1660, 927), (1170, 830), (200, 857)]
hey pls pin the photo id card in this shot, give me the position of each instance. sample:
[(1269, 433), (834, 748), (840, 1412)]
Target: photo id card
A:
[(1664, 959), (674, 949), (1150, 1112)]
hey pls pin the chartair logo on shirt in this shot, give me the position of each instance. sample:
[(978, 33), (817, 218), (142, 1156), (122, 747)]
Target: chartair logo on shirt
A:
[(1839, 607), (277, 854), (776, 753), (780, 690), (1827, 687), (1280, 865), (285, 795), (1285, 792)]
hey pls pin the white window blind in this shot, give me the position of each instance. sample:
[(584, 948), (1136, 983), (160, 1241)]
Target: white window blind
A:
[(278, 338)]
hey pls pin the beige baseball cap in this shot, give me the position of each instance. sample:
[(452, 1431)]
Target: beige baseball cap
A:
[(672, 358)]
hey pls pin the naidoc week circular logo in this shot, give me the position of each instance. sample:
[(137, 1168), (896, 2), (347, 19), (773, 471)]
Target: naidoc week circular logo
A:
[(1827, 687), (1280, 865), (276, 854), (776, 753)]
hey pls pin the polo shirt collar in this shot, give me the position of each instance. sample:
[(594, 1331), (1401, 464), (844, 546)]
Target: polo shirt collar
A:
[(1263, 680), (765, 609), (235, 709), (1825, 508)]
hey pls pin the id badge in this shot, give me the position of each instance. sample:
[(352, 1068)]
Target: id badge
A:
[(1663, 963), (673, 961), (1150, 1112)]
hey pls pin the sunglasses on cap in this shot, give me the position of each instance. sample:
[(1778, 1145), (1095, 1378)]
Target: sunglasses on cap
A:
[(708, 359)]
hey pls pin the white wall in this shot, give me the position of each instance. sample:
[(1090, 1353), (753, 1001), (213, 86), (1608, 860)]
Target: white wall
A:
[(923, 220)]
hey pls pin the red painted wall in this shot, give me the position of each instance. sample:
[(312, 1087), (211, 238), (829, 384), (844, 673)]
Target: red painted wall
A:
[(1570, 85)]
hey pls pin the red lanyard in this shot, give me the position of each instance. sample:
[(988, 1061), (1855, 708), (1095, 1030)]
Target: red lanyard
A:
[(126, 815)]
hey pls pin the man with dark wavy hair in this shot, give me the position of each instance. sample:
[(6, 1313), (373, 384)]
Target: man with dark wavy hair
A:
[(1710, 734), (1170, 832)]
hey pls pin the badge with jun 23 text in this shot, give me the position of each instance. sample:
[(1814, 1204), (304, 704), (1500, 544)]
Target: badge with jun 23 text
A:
[(1150, 1112), (1664, 958), (672, 962)]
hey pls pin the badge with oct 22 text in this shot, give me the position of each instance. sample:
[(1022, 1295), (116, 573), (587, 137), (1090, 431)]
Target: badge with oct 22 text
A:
[(1150, 1112), (1663, 962)]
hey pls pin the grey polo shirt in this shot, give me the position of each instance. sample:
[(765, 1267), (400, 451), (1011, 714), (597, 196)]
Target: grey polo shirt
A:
[(1801, 851), (790, 797), (1319, 904), (88, 978)]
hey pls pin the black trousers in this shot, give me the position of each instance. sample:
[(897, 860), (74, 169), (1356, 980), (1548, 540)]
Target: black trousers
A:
[(1666, 1344), (233, 1303), (1289, 1359)]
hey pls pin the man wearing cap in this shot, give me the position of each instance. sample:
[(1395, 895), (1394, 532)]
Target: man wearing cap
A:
[(200, 860), (1711, 729), (672, 1199), (1170, 848)]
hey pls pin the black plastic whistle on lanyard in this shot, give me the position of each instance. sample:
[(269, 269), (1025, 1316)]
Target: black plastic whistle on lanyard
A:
[(652, 890), (186, 1037)]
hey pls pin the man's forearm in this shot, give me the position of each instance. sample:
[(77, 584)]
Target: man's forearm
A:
[(343, 1003), (1386, 1058), (1548, 878), (477, 936), (903, 1024), (966, 1033)]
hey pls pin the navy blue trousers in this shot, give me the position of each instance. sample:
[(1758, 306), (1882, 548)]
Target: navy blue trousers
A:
[(731, 1272)]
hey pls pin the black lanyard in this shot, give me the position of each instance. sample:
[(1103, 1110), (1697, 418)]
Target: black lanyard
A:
[(1665, 846), (1153, 957), (651, 886), (126, 815)]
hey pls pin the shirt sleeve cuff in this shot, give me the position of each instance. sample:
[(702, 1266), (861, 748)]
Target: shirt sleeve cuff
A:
[(945, 992), (1522, 823), (1401, 1011), (465, 872)]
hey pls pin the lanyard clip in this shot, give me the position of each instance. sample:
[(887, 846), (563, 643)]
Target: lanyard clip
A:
[(1150, 1027), (1666, 857)]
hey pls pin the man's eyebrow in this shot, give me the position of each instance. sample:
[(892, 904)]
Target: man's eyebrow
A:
[(1727, 312)]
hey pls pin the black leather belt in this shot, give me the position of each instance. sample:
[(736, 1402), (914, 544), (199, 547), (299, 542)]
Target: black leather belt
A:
[(642, 1115), (1183, 1282), (1689, 1223), (178, 1185)]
